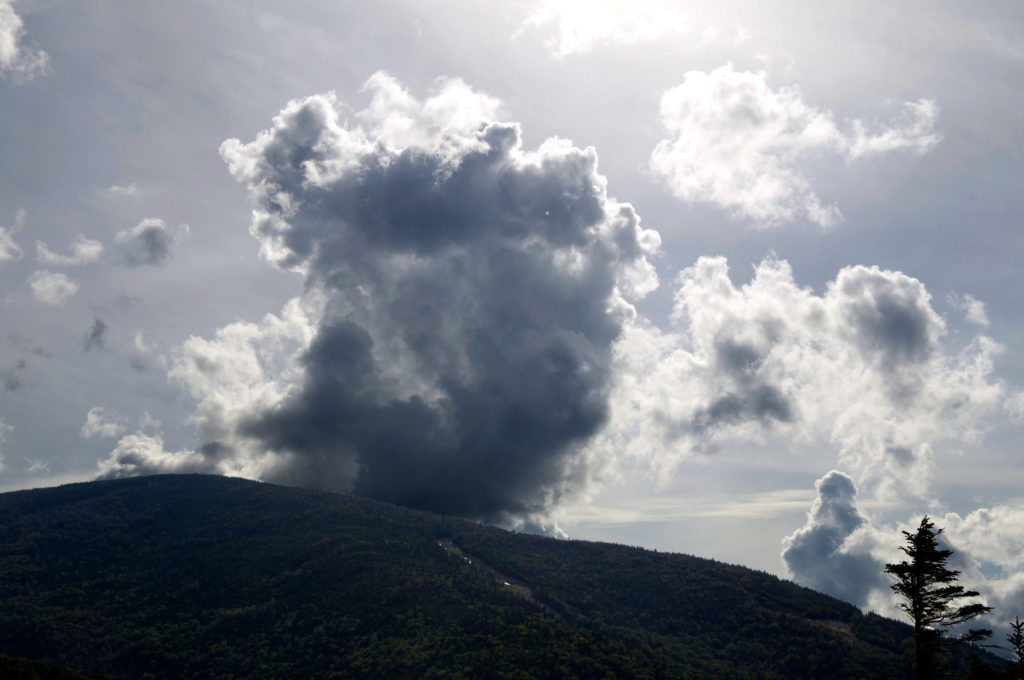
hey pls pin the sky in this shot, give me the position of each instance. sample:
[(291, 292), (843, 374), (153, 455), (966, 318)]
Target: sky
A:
[(734, 279)]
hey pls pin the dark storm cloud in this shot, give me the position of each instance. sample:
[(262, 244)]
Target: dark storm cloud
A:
[(95, 337), (816, 555), (465, 346)]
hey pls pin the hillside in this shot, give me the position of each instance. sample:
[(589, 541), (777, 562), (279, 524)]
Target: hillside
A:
[(209, 577)]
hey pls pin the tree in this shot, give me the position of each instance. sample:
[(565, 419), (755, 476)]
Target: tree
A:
[(1016, 640), (930, 597)]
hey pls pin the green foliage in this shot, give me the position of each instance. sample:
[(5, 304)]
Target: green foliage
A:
[(208, 577), (930, 594), (18, 668)]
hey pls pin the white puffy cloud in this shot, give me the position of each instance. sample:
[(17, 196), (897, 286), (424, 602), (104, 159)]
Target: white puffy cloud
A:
[(100, 422), (581, 25), (994, 535), (737, 143), (245, 369), (144, 454), (83, 251), (16, 60), (9, 250), (861, 368), (53, 288)]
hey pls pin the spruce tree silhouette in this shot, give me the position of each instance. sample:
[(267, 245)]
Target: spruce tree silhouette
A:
[(1016, 640), (930, 595)]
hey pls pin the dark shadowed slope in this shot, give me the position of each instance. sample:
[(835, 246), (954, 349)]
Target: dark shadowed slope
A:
[(196, 576)]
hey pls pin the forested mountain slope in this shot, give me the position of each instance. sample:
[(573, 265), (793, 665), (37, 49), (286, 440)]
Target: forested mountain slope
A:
[(210, 577)]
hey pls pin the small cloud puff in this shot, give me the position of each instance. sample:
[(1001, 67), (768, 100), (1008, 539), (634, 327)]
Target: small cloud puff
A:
[(131, 189), (149, 242), (973, 308), (83, 251), (52, 288), (100, 422), (95, 337)]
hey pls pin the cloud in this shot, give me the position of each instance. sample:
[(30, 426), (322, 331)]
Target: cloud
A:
[(973, 308), (840, 552), (861, 367), (52, 288), (5, 431), (737, 143), (817, 555), (149, 242), (101, 423), (17, 61), (580, 26), (994, 535), (36, 467), (11, 377), (95, 337), (142, 352), (123, 189), (9, 250), (451, 349), (144, 454), (83, 251)]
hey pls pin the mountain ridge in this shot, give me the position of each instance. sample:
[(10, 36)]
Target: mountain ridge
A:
[(204, 576)]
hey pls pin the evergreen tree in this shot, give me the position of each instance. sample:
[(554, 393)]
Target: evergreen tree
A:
[(930, 597), (1016, 640)]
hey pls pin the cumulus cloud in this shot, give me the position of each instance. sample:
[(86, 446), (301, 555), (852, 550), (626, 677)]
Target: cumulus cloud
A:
[(83, 251), (144, 454), (452, 347), (994, 535), (861, 367), (100, 422), (96, 336), (824, 554), (735, 142), (149, 242), (53, 288), (580, 26), (9, 250), (16, 60), (839, 551)]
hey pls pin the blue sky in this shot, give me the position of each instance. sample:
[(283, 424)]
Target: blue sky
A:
[(735, 279)]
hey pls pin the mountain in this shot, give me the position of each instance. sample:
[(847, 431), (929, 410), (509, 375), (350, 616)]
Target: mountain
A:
[(189, 576)]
